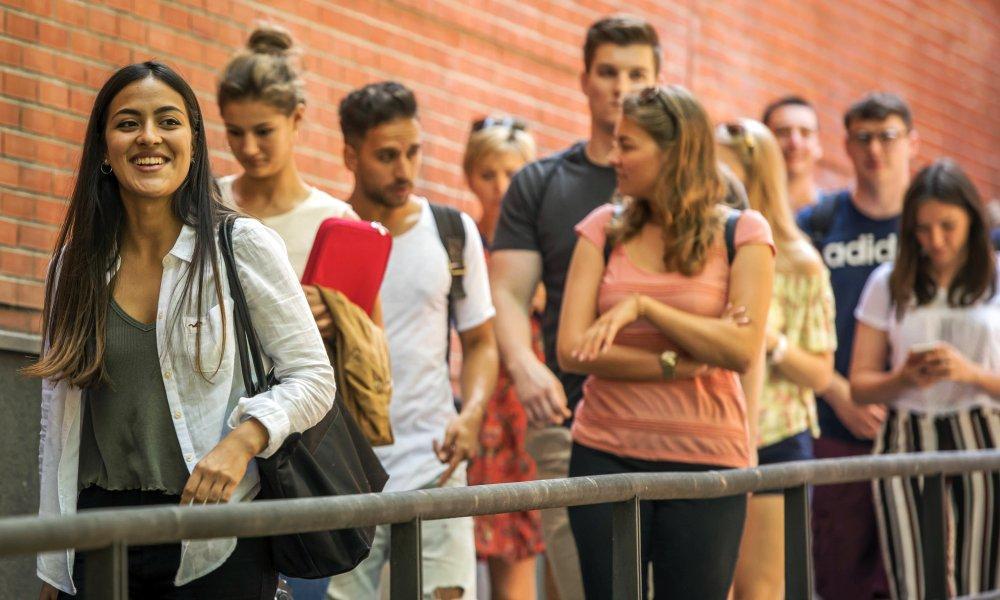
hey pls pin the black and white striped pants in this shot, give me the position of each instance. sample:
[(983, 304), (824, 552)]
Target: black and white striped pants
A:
[(972, 503)]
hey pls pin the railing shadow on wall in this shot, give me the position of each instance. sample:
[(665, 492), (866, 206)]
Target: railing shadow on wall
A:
[(106, 534)]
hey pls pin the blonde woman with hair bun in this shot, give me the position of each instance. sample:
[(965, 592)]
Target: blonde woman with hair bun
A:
[(263, 105), (800, 341), (262, 101)]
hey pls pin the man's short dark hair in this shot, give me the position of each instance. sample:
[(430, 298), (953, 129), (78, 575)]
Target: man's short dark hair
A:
[(375, 104), (790, 100), (878, 106), (621, 30)]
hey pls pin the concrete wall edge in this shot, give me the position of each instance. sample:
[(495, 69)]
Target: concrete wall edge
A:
[(15, 341)]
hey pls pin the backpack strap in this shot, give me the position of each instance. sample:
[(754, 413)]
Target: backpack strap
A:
[(452, 233), (821, 218), (730, 233)]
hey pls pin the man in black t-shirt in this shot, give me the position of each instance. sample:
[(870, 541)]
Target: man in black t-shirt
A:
[(534, 242)]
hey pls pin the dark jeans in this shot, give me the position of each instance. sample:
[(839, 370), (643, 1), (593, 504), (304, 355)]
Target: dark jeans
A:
[(846, 551), (692, 544), (246, 575)]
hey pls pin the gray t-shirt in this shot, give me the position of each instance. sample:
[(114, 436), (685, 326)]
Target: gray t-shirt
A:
[(127, 441), (545, 201)]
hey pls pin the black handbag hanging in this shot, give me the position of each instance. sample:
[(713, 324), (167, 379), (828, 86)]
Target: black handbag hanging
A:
[(333, 458)]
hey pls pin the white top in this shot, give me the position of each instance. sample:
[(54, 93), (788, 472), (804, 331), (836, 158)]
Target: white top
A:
[(974, 331), (415, 309), (298, 226), (200, 406)]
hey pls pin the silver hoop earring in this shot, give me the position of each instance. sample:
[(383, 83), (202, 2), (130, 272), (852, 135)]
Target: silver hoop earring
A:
[(108, 165)]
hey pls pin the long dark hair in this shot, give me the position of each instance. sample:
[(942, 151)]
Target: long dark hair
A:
[(943, 181), (77, 291)]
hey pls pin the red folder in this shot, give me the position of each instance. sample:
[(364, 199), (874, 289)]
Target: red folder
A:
[(350, 257)]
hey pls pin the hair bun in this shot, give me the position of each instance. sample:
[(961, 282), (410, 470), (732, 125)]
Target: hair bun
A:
[(270, 39)]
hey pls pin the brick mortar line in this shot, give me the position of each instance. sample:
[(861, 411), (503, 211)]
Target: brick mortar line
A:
[(330, 83), (20, 221), (37, 136), (398, 31), (35, 195), (35, 165), (174, 59)]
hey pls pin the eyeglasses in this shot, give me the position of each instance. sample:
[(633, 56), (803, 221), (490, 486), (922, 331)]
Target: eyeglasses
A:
[(654, 94), (736, 133), (507, 122), (886, 137)]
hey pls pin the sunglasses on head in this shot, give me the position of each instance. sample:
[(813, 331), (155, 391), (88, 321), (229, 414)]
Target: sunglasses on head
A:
[(654, 94), (736, 132), (506, 122)]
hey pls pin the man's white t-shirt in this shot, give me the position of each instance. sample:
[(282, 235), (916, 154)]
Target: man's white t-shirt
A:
[(298, 226), (973, 330), (415, 309)]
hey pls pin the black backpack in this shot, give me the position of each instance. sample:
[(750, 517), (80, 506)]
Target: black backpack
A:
[(821, 218), (452, 233)]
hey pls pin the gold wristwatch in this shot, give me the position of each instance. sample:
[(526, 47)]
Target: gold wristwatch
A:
[(668, 364)]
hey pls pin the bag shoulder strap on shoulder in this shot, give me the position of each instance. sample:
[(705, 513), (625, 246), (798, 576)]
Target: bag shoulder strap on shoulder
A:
[(730, 234), (256, 378), (451, 230), (821, 218)]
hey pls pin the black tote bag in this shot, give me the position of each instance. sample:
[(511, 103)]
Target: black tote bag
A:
[(333, 458)]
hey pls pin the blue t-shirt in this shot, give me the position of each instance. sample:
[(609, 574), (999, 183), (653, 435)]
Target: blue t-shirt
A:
[(854, 245)]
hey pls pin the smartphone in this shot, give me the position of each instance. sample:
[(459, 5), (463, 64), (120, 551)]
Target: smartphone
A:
[(924, 347)]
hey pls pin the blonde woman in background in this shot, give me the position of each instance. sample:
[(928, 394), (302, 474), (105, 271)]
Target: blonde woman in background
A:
[(800, 342), (497, 148)]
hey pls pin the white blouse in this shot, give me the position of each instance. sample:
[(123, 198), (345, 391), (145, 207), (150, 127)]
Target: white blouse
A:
[(200, 402), (973, 330)]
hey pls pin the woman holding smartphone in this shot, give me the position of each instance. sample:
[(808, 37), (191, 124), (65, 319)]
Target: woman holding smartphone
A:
[(934, 317)]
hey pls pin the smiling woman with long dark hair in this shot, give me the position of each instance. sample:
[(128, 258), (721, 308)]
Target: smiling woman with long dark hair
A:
[(140, 405), (933, 316)]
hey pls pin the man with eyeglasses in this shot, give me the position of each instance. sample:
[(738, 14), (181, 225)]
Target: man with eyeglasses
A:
[(855, 231), (794, 122), (534, 242)]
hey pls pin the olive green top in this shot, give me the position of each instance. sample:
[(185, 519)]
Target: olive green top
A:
[(128, 441)]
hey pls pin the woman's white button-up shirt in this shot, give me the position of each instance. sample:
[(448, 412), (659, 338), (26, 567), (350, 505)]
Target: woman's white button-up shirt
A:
[(200, 399)]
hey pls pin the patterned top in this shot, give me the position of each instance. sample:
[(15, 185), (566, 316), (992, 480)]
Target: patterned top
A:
[(802, 309)]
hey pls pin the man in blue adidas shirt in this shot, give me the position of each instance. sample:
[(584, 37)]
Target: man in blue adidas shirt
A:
[(855, 231)]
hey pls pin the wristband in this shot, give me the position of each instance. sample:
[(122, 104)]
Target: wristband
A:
[(777, 354)]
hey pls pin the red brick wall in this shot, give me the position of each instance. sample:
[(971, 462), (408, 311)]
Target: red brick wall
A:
[(471, 57)]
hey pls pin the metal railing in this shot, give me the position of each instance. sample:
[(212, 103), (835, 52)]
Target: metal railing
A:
[(106, 534)]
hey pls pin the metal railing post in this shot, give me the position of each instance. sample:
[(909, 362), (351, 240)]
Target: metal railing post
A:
[(405, 567), (798, 544), (106, 572), (625, 541), (932, 537)]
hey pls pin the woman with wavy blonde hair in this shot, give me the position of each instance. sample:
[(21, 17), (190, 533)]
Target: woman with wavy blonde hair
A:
[(652, 327), (800, 341)]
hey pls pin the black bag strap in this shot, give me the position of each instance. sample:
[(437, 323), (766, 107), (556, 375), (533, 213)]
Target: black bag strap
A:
[(452, 233), (821, 219), (730, 233), (247, 342)]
